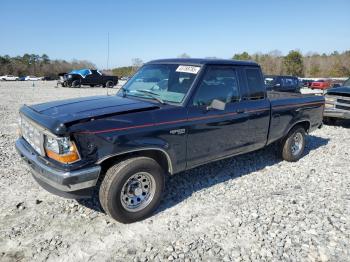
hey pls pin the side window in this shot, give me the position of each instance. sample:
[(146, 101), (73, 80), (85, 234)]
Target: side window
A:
[(219, 83), (255, 84), (288, 82)]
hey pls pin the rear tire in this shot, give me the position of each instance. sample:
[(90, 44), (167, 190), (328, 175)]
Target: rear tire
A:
[(75, 84), (109, 84), (132, 189), (293, 145)]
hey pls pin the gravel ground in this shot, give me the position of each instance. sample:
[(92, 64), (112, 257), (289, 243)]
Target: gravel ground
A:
[(251, 207)]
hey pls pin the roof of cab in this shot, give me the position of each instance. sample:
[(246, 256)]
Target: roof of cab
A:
[(203, 61)]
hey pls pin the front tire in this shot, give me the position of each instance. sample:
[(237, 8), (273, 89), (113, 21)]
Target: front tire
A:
[(132, 189), (293, 144), (330, 121)]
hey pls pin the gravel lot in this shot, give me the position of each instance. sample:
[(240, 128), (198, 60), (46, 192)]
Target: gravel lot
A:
[(252, 207)]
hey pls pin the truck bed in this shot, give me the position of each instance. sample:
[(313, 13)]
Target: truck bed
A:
[(290, 108)]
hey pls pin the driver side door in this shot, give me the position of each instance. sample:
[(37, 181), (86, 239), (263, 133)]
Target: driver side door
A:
[(92, 79), (215, 133)]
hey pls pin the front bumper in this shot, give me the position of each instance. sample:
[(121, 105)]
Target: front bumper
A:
[(336, 113), (70, 184)]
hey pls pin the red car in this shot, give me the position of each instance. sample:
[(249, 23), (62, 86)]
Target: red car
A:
[(321, 84)]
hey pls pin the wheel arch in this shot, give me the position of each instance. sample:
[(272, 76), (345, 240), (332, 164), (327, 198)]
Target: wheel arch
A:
[(159, 155), (303, 123)]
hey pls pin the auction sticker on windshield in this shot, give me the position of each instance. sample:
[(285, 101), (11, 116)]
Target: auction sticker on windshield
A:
[(188, 69)]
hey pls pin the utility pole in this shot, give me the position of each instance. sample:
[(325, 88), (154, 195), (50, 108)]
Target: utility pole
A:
[(107, 57), (108, 51)]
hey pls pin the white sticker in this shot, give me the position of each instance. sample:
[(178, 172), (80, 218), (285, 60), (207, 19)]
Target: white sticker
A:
[(188, 69)]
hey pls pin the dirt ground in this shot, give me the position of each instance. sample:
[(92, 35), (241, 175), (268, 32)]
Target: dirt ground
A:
[(253, 207)]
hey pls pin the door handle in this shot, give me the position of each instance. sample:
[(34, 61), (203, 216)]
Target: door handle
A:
[(240, 111)]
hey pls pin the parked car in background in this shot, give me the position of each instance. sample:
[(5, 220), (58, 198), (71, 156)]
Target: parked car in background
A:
[(77, 78), (337, 102), (307, 82), (32, 78), (282, 83), (321, 84), (60, 80), (9, 78), (171, 116), (339, 83), (125, 78), (48, 78)]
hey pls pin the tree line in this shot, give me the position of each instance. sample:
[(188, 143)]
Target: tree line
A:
[(274, 63), (294, 63), (39, 65)]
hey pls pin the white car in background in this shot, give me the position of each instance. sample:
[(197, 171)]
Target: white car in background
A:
[(9, 78), (32, 78)]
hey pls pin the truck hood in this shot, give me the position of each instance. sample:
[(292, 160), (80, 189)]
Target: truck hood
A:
[(340, 91), (58, 115)]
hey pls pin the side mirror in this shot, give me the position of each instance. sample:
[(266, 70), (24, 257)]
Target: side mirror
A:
[(217, 104), (336, 85)]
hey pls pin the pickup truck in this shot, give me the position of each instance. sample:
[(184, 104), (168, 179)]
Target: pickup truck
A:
[(90, 77), (282, 83), (171, 116), (337, 103)]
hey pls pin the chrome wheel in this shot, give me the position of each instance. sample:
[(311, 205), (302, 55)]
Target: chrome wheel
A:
[(138, 191), (297, 143)]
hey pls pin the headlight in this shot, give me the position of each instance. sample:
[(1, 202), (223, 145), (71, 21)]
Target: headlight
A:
[(31, 134), (61, 149), (330, 102), (70, 76), (330, 99), (329, 105)]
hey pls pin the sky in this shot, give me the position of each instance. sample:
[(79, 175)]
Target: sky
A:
[(153, 29)]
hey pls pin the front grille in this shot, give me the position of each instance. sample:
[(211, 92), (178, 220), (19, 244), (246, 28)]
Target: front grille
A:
[(342, 107), (343, 101)]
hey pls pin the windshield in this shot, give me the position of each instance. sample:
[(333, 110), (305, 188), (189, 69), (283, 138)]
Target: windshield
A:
[(347, 82), (82, 72), (162, 82)]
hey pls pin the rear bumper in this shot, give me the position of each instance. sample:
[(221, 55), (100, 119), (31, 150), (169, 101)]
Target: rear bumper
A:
[(70, 184), (336, 113)]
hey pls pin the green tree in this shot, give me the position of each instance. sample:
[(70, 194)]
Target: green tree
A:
[(123, 71), (242, 56), (315, 70), (339, 70), (335, 53), (183, 55), (293, 63), (45, 59)]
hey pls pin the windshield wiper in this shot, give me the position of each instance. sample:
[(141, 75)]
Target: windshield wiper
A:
[(152, 94)]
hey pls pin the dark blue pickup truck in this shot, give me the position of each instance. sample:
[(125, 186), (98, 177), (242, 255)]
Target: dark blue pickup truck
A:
[(172, 115)]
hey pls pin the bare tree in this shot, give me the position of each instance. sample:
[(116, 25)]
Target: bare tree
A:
[(136, 64), (183, 55)]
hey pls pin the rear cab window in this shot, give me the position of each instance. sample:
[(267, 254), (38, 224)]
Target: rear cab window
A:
[(255, 88)]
